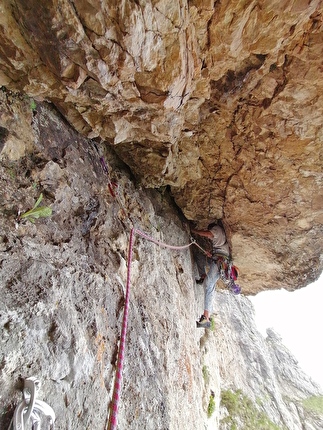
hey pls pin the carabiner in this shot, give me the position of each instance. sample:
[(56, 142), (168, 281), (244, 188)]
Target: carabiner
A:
[(31, 409)]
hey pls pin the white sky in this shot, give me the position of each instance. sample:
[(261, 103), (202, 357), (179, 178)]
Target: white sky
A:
[(298, 318)]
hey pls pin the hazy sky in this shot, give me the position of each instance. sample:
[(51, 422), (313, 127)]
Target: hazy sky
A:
[(298, 318)]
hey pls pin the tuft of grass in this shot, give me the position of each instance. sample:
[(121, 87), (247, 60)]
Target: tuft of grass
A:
[(314, 404), (212, 321), (211, 406)]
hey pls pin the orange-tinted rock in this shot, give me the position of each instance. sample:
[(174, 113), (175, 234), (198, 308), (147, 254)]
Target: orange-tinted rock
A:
[(220, 100)]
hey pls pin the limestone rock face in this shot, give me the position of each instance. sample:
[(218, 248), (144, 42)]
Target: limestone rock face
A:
[(221, 101), (63, 282), (62, 286), (259, 373)]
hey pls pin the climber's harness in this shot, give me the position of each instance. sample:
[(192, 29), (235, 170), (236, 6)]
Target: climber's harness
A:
[(30, 409), (228, 272)]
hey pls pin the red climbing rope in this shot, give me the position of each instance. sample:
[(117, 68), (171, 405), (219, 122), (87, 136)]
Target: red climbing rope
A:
[(118, 379), (112, 424)]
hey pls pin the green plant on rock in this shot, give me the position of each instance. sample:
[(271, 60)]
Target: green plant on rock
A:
[(230, 400), (33, 105), (206, 374), (36, 212), (211, 406), (244, 414), (212, 321), (314, 404)]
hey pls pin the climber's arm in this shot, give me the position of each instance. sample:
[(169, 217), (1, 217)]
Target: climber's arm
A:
[(203, 233)]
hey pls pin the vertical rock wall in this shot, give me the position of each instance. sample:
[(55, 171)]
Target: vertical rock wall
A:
[(261, 374), (63, 282)]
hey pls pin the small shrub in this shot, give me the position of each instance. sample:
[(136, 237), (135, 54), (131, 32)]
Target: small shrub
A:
[(244, 414)]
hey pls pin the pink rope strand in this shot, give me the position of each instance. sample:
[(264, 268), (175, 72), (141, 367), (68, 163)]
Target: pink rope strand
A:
[(165, 245), (118, 379), (113, 418)]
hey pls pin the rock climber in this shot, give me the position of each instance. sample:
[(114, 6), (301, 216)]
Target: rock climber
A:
[(209, 270)]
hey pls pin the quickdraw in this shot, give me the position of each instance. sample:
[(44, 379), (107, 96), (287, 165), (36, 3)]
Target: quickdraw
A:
[(228, 272), (111, 185)]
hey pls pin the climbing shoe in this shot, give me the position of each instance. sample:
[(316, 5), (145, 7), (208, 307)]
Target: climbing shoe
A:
[(203, 323)]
